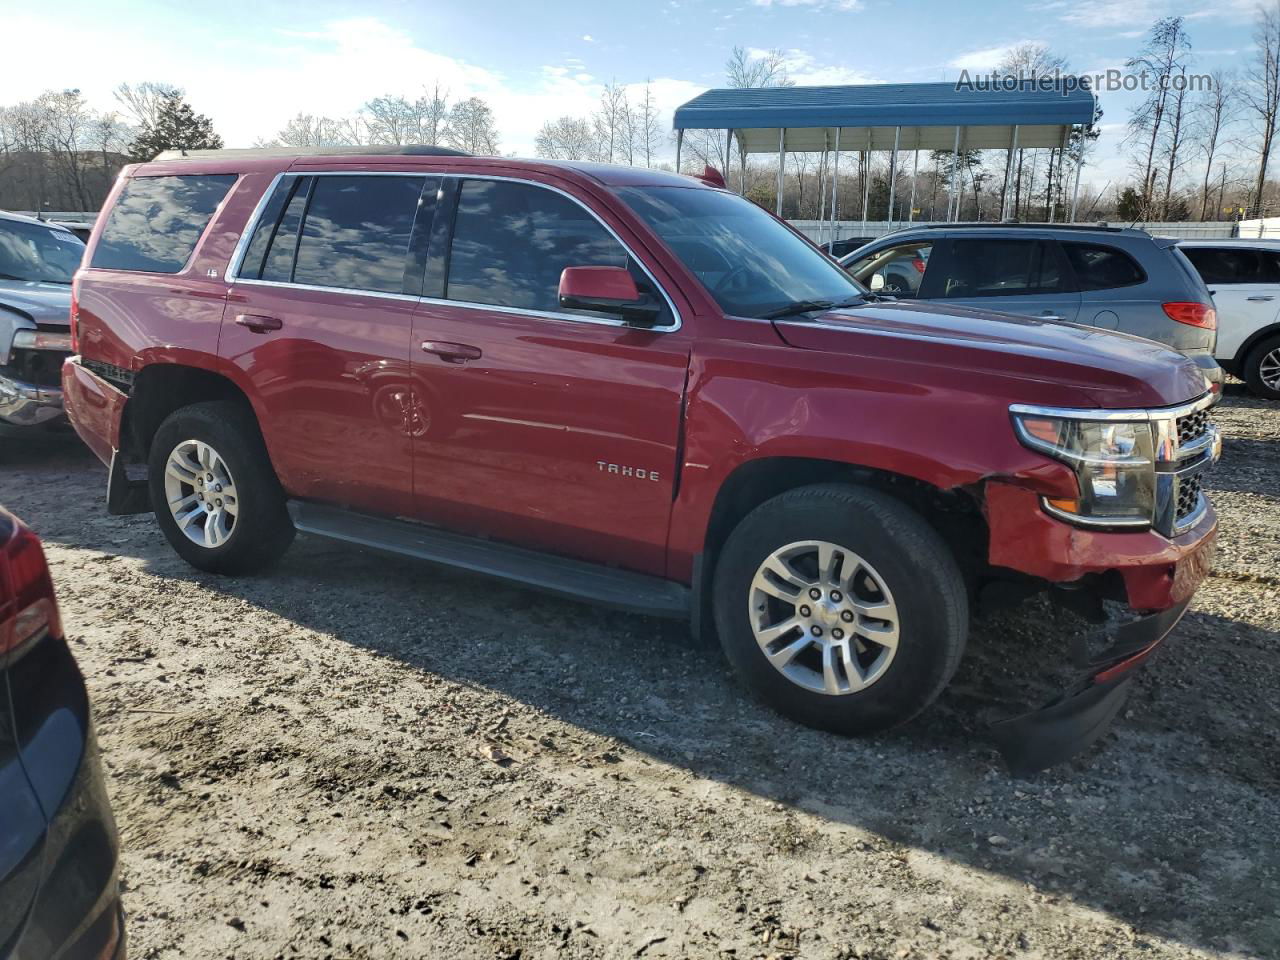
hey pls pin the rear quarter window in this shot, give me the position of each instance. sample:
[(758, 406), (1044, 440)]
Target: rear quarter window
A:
[(156, 222), (1100, 267)]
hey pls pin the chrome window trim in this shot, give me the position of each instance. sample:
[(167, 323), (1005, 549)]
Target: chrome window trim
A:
[(242, 245)]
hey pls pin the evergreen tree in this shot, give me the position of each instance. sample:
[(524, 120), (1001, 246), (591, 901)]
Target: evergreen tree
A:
[(176, 127)]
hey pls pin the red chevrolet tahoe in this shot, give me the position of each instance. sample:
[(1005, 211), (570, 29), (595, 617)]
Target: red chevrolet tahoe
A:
[(634, 388)]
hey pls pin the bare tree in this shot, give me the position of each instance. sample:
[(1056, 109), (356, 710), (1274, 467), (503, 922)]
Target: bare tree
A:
[(648, 129), (743, 70), (308, 130), (609, 123), (1212, 115), (1165, 54), (142, 101), (569, 138), (472, 128), (1262, 89), (1026, 60), (1175, 135)]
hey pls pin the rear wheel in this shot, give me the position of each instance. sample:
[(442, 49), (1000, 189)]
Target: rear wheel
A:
[(1262, 369), (841, 607), (213, 490)]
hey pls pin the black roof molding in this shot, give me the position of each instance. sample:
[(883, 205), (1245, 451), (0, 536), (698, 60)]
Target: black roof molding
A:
[(395, 150)]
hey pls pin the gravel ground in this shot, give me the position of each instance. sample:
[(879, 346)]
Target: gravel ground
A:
[(358, 756)]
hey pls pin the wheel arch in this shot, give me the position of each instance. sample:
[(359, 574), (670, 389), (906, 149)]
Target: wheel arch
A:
[(159, 389), (955, 514), (1246, 348)]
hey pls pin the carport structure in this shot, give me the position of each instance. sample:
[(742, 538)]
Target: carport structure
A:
[(897, 117)]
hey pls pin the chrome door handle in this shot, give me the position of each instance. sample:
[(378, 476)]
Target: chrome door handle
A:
[(258, 323), (1263, 297), (451, 352), (1051, 316)]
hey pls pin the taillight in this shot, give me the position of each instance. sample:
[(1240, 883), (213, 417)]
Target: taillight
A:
[(75, 313), (918, 264), (27, 604), (1192, 314)]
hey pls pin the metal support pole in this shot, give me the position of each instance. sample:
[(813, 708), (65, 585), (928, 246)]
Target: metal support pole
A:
[(782, 165), (822, 193), (1005, 194), (866, 181), (893, 174), (728, 149), (953, 207), (835, 173), (1075, 191), (742, 175), (679, 144), (1057, 179), (915, 170)]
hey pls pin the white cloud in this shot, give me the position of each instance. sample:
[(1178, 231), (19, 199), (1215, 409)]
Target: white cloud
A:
[(828, 4), (588, 38), (804, 69), (986, 60)]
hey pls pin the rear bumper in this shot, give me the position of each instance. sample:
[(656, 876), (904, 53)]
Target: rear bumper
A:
[(1082, 713), (94, 407), (1157, 572), (28, 404), (1209, 366)]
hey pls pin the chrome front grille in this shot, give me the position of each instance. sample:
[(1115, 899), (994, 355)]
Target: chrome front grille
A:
[(1186, 447)]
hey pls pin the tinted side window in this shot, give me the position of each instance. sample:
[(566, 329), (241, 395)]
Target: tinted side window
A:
[(1099, 267), (156, 222), (282, 245), (999, 267), (511, 241), (355, 233), (1225, 265)]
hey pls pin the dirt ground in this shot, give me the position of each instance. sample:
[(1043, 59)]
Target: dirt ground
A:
[(357, 756)]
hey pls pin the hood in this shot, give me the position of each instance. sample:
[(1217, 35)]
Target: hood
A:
[(42, 302), (1103, 368)]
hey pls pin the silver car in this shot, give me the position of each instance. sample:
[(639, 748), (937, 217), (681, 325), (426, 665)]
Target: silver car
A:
[(37, 260), (1113, 278)]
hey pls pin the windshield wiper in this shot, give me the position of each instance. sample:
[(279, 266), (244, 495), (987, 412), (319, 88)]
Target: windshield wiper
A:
[(809, 306)]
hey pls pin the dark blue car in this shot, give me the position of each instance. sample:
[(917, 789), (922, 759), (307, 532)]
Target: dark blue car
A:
[(59, 897)]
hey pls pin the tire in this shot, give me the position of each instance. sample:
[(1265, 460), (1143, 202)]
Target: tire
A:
[(896, 286), (1261, 369), (259, 530), (898, 557)]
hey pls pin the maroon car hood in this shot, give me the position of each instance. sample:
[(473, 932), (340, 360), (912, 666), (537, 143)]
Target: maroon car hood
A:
[(1108, 369)]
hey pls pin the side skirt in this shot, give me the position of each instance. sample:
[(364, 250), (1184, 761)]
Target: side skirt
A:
[(574, 579)]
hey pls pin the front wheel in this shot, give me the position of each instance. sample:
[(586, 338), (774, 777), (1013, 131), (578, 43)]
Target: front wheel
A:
[(1262, 369), (213, 490), (841, 607)]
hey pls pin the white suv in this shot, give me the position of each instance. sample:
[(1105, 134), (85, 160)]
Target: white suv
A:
[(1244, 278)]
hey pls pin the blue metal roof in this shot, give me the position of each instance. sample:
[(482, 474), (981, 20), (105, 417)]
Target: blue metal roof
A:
[(882, 105)]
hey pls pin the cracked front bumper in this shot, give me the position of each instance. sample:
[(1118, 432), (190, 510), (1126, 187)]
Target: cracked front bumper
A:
[(1078, 716), (27, 404)]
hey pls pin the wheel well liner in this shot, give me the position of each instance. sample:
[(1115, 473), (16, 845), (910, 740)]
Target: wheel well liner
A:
[(161, 388)]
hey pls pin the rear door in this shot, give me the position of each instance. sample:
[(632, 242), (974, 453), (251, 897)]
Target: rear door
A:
[(1114, 294), (1011, 274), (318, 321), (1245, 284), (544, 427)]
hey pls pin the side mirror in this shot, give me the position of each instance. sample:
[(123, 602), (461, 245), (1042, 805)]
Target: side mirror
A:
[(877, 282), (607, 290)]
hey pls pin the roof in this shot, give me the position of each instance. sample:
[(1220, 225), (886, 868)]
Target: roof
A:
[(22, 218), (866, 115), (1262, 243), (369, 150)]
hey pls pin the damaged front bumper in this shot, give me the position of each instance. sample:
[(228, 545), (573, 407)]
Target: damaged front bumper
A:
[(28, 404), (1078, 716)]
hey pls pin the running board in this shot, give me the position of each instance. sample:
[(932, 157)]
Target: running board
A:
[(574, 579)]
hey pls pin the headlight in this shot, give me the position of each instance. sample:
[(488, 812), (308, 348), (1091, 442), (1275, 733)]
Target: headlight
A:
[(1114, 461)]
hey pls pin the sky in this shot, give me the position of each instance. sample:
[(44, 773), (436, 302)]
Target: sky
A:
[(252, 66)]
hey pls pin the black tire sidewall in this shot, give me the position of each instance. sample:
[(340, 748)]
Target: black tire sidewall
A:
[(915, 564), (1253, 371), (262, 530)]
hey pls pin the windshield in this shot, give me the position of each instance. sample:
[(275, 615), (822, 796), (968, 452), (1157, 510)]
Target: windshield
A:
[(752, 264), (30, 251)]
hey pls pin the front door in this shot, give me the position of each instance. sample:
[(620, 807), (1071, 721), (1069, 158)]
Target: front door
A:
[(540, 426), (1019, 275), (318, 321)]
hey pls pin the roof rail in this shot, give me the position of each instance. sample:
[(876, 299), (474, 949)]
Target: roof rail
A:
[(1017, 225), (396, 150)]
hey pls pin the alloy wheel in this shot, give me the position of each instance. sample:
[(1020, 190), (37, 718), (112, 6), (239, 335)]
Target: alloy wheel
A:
[(1269, 370), (824, 617), (201, 493)]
